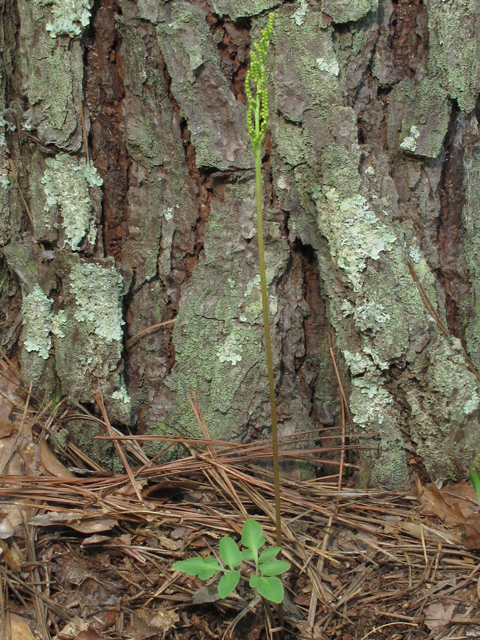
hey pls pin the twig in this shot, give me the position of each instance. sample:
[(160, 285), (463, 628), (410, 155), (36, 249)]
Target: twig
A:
[(97, 395), (390, 624), (132, 341), (12, 167), (85, 143), (345, 406)]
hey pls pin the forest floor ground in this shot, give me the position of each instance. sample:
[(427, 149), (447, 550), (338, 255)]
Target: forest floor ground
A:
[(88, 555)]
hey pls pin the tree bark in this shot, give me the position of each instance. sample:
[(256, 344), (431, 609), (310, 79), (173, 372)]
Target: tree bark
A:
[(372, 161)]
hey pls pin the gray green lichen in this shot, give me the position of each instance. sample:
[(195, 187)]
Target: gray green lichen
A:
[(88, 332), (53, 69), (69, 16), (410, 142), (300, 13), (354, 232), (242, 8), (37, 319), (348, 10), (453, 49), (218, 134), (98, 293), (66, 181)]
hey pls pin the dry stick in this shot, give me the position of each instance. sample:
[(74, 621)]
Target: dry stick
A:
[(342, 456), (12, 167), (34, 578), (99, 400), (213, 454), (132, 341), (345, 404), (320, 564), (85, 143)]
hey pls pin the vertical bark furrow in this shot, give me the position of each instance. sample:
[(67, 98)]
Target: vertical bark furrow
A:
[(104, 94), (452, 274)]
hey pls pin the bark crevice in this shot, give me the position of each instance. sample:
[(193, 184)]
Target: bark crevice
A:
[(104, 92), (451, 189)]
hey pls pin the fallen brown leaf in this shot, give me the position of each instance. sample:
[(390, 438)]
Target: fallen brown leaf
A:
[(89, 634), (51, 463), (19, 629), (438, 615), (148, 625), (11, 557), (434, 504), (470, 530)]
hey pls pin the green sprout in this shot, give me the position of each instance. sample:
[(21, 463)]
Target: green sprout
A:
[(267, 569), (475, 480)]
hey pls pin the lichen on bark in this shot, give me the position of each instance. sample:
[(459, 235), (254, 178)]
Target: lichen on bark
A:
[(88, 347), (218, 133), (65, 182), (53, 72), (69, 16), (218, 333)]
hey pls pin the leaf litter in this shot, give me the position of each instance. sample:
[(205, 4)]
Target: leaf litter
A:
[(87, 555)]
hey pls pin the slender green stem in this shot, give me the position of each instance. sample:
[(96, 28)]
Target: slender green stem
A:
[(258, 108), (268, 346)]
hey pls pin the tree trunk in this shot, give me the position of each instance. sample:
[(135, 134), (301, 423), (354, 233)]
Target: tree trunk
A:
[(372, 161)]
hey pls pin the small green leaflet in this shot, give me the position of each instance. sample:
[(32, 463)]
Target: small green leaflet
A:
[(230, 553), (204, 568), (228, 583), (248, 554), (269, 554), (270, 588), (274, 568), (252, 536)]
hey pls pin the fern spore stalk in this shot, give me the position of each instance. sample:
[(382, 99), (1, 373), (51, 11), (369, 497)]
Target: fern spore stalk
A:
[(257, 120)]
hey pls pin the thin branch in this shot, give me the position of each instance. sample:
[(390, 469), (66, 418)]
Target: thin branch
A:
[(132, 341), (12, 167)]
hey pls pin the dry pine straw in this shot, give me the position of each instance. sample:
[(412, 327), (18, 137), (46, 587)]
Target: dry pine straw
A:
[(364, 563)]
